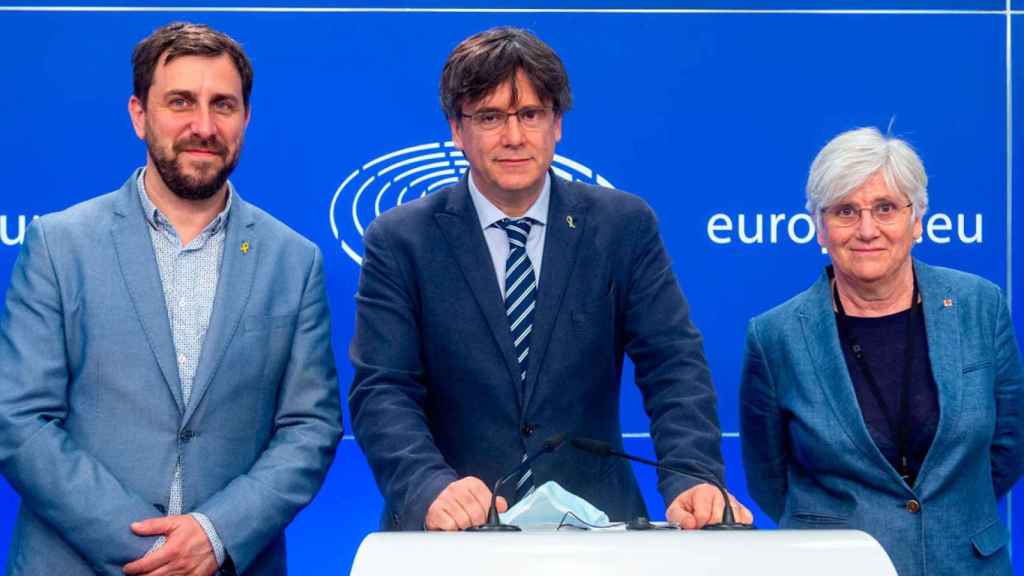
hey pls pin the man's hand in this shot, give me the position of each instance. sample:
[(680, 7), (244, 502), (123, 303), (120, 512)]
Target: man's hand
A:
[(462, 504), (186, 551), (702, 505)]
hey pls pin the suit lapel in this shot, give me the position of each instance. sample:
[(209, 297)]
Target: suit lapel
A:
[(141, 275), (944, 353), (461, 229), (821, 337), (237, 272), (561, 242)]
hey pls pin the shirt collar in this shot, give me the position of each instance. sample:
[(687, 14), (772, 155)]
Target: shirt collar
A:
[(489, 214), (158, 221)]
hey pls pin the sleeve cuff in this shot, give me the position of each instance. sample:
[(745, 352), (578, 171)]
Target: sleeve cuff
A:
[(211, 534)]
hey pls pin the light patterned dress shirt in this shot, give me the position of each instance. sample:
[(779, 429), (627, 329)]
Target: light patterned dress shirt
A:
[(497, 238), (189, 275)]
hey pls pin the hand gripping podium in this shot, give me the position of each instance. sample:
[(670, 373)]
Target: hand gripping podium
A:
[(696, 553)]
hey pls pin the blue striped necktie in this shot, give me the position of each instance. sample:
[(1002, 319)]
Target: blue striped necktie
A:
[(520, 300)]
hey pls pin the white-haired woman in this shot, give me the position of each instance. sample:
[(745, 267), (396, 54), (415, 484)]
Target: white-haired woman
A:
[(889, 396)]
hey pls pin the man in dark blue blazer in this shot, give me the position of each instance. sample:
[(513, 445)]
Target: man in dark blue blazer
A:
[(495, 313)]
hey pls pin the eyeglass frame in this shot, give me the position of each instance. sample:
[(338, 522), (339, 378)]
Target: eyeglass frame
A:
[(860, 213), (503, 123)]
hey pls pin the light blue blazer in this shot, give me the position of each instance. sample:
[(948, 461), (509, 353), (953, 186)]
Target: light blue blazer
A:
[(811, 463), (91, 413)]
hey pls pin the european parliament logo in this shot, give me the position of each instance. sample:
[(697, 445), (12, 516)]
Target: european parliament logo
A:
[(404, 175)]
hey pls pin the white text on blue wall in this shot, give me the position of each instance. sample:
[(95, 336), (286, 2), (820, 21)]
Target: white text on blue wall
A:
[(12, 228), (799, 228)]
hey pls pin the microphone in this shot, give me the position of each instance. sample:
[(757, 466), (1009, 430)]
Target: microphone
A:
[(493, 523), (604, 449)]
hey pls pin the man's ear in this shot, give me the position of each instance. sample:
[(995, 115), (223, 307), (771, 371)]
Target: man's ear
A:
[(456, 127), (137, 112)]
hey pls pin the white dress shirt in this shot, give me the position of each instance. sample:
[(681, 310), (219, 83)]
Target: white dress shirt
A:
[(497, 239)]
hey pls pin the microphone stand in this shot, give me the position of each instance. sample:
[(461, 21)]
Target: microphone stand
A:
[(728, 518), (493, 523)]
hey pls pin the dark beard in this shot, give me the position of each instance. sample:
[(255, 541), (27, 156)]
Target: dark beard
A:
[(189, 187)]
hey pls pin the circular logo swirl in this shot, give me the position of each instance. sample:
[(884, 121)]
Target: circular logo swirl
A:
[(402, 176)]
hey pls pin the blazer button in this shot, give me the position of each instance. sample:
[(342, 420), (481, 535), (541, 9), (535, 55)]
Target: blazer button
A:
[(528, 430), (186, 435), (913, 506)]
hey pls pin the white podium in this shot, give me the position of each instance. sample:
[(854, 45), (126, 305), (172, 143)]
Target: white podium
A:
[(562, 553)]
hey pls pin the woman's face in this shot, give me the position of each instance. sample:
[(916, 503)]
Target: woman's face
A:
[(870, 251)]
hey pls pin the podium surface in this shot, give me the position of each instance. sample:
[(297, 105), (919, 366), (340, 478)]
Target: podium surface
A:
[(694, 553)]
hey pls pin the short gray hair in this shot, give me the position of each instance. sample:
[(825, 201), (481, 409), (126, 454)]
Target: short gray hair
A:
[(851, 158)]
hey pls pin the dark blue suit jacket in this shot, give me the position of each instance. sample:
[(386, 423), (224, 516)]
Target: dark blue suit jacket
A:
[(811, 462), (436, 394)]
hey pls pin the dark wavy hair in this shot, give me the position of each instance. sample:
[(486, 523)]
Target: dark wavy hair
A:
[(484, 61)]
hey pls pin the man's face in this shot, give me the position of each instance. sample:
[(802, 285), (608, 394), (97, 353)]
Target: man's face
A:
[(871, 251), (509, 160), (193, 123)]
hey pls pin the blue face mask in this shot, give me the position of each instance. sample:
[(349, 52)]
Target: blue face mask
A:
[(548, 505)]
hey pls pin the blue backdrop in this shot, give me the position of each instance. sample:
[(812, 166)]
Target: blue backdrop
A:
[(711, 110)]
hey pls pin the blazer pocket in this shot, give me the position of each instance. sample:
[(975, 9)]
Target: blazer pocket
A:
[(263, 323), (975, 366), (991, 539), (600, 309), (820, 519)]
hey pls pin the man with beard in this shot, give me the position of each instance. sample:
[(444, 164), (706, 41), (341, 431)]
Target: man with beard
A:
[(169, 398)]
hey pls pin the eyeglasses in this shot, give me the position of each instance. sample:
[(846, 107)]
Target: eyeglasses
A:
[(530, 118), (883, 212)]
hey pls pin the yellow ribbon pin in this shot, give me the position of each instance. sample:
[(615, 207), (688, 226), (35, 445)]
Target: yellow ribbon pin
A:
[(570, 222), (245, 248)]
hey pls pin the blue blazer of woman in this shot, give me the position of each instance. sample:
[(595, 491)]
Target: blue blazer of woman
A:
[(810, 460)]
